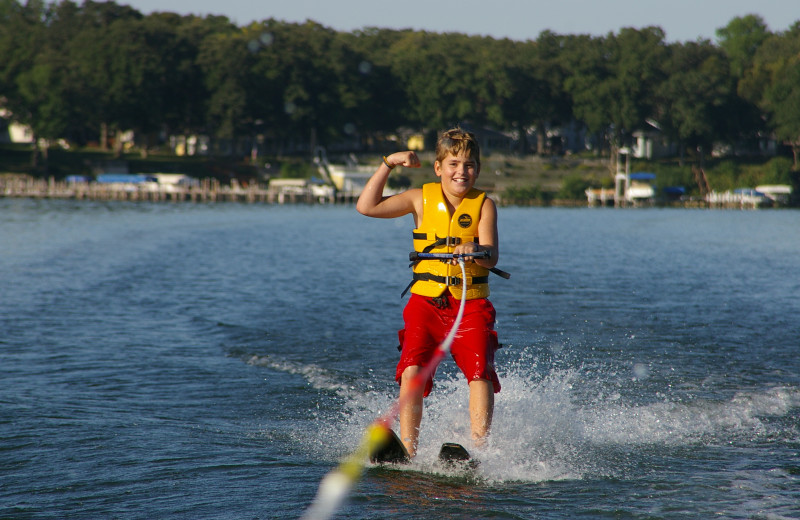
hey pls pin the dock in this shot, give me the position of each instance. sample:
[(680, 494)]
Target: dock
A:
[(204, 191)]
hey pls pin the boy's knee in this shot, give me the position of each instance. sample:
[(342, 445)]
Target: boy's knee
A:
[(409, 373)]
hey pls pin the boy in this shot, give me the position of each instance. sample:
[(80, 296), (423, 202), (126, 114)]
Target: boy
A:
[(450, 216)]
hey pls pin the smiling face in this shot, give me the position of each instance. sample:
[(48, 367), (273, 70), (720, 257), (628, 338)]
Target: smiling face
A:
[(458, 163), (458, 174)]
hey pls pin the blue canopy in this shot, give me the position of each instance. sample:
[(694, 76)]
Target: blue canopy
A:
[(749, 191), (126, 178), (643, 176)]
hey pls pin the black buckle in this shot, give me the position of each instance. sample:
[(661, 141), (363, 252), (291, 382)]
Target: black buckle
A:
[(452, 280), (452, 241)]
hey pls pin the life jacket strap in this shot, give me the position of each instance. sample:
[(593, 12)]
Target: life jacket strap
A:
[(447, 280), (443, 241)]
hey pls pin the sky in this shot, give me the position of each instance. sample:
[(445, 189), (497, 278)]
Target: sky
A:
[(681, 20)]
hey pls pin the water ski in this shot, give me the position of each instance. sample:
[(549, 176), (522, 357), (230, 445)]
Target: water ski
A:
[(392, 452), (452, 454)]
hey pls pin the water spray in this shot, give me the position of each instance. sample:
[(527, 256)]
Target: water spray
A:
[(336, 485)]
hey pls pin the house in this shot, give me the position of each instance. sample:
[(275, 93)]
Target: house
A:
[(652, 144), (13, 132)]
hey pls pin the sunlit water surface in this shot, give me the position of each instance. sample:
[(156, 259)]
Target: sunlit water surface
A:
[(216, 361)]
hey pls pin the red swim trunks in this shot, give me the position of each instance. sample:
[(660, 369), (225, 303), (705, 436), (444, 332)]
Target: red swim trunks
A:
[(427, 323)]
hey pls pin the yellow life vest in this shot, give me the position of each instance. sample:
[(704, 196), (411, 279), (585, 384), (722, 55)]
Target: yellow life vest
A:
[(440, 232)]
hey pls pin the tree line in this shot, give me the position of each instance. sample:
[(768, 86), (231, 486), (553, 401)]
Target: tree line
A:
[(84, 72)]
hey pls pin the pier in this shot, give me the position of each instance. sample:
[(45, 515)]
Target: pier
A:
[(205, 191)]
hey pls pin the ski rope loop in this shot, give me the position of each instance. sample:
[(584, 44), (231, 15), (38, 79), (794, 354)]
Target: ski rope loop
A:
[(336, 485)]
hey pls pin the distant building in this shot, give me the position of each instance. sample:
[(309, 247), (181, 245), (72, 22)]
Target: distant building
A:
[(13, 132), (652, 144), (492, 141)]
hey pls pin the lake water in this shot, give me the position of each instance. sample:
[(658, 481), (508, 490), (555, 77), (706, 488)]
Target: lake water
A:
[(217, 361)]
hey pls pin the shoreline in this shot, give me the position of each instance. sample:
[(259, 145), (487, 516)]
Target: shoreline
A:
[(210, 190)]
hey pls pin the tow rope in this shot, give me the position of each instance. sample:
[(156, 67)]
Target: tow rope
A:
[(336, 485)]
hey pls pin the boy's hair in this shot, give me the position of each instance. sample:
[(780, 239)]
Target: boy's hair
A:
[(456, 141)]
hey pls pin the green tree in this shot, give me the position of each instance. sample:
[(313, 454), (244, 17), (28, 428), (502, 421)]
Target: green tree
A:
[(39, 84), (417, 62), (536, 75), (612, 80), (319, 77), (587, 73), (76, 70), (696, 96), (771, 82), (487, 79), (95, 77), (453, 78), (740, 40), (226, 62), (782, 99), (355, 79), (135, 72), (573, 187), (636, 58), (22, 31), (383, 101), (179, 78)]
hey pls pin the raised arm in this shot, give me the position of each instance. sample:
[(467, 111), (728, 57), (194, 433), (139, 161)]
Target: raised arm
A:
[(373, 203)]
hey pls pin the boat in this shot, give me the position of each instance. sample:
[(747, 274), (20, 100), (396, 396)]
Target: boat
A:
[(740, 197), (778, 193), (640, 187)]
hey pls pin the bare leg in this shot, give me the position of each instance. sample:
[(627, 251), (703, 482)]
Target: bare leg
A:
[(410, 409), (481, 408)]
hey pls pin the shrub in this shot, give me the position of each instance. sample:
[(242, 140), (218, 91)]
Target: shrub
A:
[(573, 188), (778, 170), (524, 195)]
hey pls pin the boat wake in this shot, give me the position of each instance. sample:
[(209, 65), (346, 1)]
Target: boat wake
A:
[(545, 427)]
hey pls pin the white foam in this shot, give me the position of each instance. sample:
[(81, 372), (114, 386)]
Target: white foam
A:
[(316, 376), (543, 428)]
